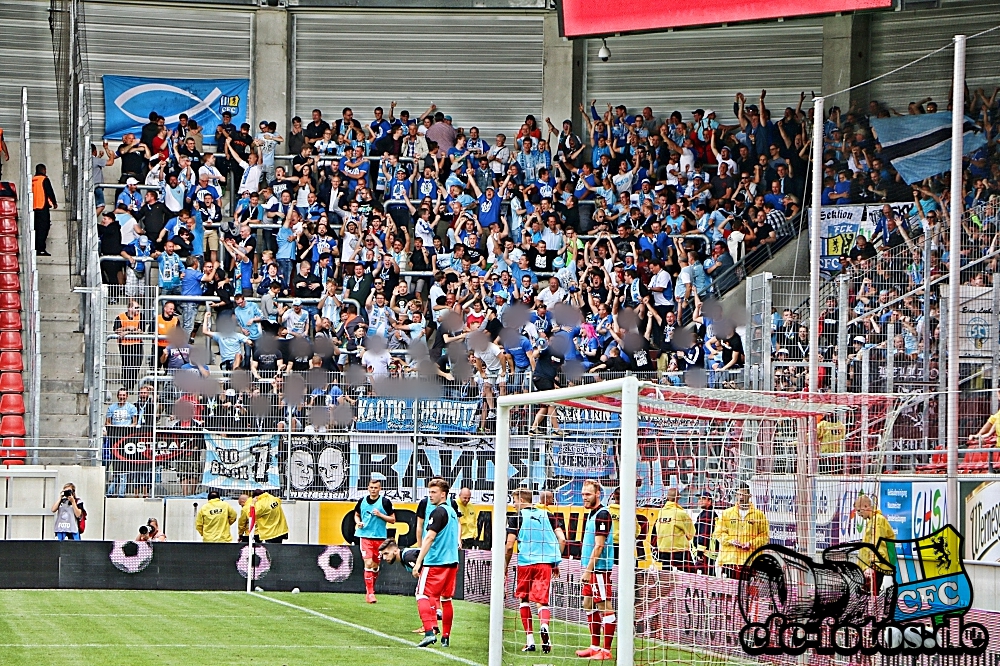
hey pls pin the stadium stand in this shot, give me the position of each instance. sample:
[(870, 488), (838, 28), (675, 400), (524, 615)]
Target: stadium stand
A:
[(12, 432), (409, 247)]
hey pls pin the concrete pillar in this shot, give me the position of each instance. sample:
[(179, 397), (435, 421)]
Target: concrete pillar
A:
[(563, 68), (846, 61), (269, 70)]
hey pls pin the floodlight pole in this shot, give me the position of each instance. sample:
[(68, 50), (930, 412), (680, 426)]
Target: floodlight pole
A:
[(815, 244), (955, 273)]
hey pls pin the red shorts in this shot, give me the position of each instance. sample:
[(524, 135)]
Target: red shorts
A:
[(533, 583), (369, 548), (436, 582), (599, 586)]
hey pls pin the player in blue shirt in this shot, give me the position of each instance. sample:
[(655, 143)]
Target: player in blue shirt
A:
[(540, 543), (372, 515), (597, 556), (437, 565), (390, 553)]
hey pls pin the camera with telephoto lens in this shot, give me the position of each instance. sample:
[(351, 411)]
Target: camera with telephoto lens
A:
[(145, 529), (67, 493)]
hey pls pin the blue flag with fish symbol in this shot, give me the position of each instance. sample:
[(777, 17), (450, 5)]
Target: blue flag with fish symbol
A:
[(128, 101)]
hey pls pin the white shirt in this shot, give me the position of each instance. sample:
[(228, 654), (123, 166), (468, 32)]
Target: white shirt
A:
[(684, 278), (490, 358), (251, 177), (551, 298), (661, 279), (377, 361), (214, 175)]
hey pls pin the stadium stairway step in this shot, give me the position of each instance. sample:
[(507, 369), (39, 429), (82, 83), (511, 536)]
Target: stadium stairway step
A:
[(64, 403)]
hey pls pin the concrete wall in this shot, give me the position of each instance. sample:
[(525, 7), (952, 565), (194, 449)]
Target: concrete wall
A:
[(270, 66), (34, 488)]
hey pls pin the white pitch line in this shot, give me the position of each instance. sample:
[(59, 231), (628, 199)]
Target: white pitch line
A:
[(358, 627)]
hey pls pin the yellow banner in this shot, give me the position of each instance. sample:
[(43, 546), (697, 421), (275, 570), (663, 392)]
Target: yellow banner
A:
[(336, 518)]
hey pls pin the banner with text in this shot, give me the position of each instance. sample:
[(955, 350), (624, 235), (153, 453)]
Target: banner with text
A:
[(977, 324), (128, 101), (442, 416), (241, 463), (841, 225)]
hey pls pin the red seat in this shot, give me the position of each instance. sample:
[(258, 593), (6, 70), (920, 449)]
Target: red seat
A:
[(10, 300), (11, 382), (8, 207), (10, 340), (8, 225), (11, 403), (12, 426), (10, 282), (12, 451), (8, 264), (10, 321), (10, 361), (8, 245)]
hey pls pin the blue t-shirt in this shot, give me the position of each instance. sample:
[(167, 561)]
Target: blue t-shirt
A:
[(230, 345), (519, 353), (286, 246), (489, 210), (427, 187), (245, 314), (191, 282), (122, 415)]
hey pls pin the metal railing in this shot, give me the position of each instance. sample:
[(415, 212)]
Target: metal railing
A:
[(29, 284)]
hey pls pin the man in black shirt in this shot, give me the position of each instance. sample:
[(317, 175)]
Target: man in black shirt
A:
[(223, 131), (862, 249), (150, 130), (134, 156), (314, 130), (153, 216), (540, 259)]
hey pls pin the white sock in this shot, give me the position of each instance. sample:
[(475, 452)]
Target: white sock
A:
[(545, 627), (530, 638)]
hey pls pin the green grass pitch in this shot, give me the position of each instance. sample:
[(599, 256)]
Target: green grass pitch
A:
[(139, 628)]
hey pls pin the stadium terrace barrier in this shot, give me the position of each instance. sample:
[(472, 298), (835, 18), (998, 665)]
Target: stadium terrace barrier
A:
[(130, 565)]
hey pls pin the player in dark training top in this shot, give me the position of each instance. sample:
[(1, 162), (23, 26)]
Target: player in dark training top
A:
[(392, 553), (371, 517), (597, 557), (437, 565), (540, 543)]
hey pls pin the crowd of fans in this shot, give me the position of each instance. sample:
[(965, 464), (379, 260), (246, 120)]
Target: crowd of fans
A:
[(409, 247), (891, 327)]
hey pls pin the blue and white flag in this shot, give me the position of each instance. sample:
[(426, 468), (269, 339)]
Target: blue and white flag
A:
[(920, 146), (241, 463), (128, 101)]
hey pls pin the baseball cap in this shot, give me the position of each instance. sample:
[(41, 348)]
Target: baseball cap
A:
[(447, 117), (782, 350), (706, 493), (860, 338), (296, 301), (699, 111), (502, 294), (131, 181), (263, 122), (709, 112)]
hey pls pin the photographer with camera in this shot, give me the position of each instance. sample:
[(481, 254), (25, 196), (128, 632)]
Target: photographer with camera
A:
[(70, 515), (151, 531)]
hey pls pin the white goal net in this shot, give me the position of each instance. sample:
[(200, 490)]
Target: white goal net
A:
[(707, 477)]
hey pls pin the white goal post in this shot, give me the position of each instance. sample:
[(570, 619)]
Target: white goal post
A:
[(628, 389)]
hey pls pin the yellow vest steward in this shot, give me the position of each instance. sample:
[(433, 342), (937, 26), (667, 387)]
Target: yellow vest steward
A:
[(876, 527), (674, 528), (214, 521), (468, 520), (731, 528), (270, 517), (244, 524)]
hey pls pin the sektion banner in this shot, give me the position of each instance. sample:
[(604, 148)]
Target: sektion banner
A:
[(438, 416), (128, 101), (241, 463), (841, 225)]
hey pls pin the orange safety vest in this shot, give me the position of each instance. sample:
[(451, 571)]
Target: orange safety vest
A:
[(163, 327), (38, 192), (129, 325)]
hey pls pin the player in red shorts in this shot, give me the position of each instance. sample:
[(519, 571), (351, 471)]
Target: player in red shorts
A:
[(436, 566), (540, 543), (372, 515), (597, 556)]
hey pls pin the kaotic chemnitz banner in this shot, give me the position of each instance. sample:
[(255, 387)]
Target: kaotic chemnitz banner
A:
[(128, 101), (241, 463)]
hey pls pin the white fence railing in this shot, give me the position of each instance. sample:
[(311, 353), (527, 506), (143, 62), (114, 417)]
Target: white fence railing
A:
[(32, 318)]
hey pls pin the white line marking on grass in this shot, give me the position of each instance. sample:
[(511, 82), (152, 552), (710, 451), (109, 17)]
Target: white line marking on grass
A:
[(373, 632)]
